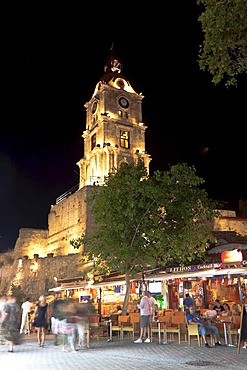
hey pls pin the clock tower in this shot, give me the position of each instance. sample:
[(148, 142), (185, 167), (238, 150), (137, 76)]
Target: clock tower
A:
[(114, 131)]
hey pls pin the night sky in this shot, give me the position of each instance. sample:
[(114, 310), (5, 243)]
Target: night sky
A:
[(51, 61)]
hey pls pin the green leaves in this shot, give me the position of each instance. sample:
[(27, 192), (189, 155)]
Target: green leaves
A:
[(143, 222), (224, 49)]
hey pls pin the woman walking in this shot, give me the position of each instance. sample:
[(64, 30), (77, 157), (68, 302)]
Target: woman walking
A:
[(41, 320), (10, 321)]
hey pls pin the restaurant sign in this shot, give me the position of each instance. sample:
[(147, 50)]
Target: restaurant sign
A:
[(193, 268), (231, 256)]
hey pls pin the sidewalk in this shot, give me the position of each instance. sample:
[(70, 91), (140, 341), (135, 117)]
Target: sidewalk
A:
[(121, 355)]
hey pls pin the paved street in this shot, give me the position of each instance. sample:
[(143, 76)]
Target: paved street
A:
[(123, 355)]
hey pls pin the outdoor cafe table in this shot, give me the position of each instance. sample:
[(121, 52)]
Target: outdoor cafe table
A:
[(224, 322)]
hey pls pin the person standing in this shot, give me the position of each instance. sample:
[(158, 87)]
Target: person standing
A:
[(41, 319), (187, 303), (145, 312), (153, 305), (55, 314), (25, 309)]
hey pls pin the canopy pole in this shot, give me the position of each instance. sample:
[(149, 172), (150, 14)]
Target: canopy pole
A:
[(240, 291)]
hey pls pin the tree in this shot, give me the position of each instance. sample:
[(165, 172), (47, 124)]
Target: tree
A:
[(143, 222), (224, 49)]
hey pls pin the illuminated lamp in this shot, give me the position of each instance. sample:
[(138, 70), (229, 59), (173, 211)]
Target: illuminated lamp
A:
[(231, 256), (34, 267)]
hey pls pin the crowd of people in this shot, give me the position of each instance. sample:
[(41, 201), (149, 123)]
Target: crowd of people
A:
[(70, 320), (62, 317)]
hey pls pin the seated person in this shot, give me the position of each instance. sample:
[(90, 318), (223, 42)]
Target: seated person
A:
[(235, 310), (218, 306), (211, 314), (227, 311), (119, 310), (195, 319)]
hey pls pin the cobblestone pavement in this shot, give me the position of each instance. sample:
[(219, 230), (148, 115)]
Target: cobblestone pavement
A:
[(121, 355)]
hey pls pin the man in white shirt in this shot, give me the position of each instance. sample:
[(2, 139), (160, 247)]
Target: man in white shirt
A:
[(145, 312), (26, 309)]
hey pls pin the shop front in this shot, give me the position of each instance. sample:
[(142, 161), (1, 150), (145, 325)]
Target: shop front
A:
[(204, 283), (105, 296)]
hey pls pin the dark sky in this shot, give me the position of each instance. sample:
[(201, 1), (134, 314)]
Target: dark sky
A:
[(51, 60)]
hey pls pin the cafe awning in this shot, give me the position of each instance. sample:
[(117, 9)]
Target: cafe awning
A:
[(227, 247), (82, 284), (198, 274)]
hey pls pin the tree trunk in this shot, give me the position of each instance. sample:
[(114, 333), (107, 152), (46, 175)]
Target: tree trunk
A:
[(127, 294)]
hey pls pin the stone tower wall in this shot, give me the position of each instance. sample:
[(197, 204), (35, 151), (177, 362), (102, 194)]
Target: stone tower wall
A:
[(68, 220), (30, 265)]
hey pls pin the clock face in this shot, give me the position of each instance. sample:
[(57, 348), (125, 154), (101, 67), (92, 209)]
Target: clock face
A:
[(94, 108), (123, 102)]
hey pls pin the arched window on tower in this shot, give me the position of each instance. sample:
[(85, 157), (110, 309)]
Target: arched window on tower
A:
[(93, 141), (124, 139)]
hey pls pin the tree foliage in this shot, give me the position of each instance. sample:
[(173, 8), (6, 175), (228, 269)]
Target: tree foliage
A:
[(224, 49), (142, 222)]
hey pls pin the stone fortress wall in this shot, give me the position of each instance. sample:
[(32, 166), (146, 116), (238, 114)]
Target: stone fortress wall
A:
[(41, 255)]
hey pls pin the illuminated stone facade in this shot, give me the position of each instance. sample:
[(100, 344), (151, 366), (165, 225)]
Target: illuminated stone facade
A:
[(114, 134)]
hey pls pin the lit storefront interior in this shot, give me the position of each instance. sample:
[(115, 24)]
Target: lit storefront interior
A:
[(225, 280)]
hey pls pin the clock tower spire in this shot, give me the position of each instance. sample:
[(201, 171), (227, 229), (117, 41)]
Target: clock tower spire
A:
[(114, 130)]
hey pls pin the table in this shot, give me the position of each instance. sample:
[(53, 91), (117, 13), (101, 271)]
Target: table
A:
[(159, 333), (225, 334)]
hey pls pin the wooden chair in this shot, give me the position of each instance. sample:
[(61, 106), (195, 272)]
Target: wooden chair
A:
[(168, 312), (135, 321), (124, 326), (233, 329), (163, 320), (175, 326), (127, 324), (94, 327), (118, 328), (179, 313)]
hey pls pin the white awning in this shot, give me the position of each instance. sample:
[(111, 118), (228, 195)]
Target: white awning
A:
[(227, 247), (198, 273), (68, 287)]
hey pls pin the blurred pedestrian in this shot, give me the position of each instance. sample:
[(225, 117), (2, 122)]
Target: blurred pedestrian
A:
[(11, 322), (3, 301), (25, 310), (41, 320)]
